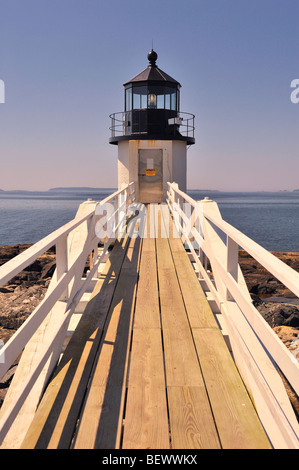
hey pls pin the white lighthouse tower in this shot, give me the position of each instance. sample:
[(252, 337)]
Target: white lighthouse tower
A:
[(152, 134)]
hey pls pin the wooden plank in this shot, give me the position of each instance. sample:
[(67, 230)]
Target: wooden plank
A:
[(198, 309), (191, 422), (146, 418), (181, 361), (52, 427), (169, 289), (110, 372), (147, 311), (185, 385), (236, 419), (105, 405)]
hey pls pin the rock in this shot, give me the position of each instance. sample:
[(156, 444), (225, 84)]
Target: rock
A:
[(260, 281), (5, 290), (2, 395), (5, 335), (21, 296), (5, 381), (290, 337), (16, 306), (7, 252), (36, 273), (24, 292), (279, 314)]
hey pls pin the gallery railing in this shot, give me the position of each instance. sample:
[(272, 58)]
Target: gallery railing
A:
[(152, 122)]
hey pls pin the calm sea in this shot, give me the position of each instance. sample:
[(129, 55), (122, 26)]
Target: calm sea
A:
[(271, 219)]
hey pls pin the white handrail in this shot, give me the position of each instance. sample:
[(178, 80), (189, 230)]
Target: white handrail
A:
[(11, 350), (284, 273), (254, 343), (24, 259), (17, 342), (17, 264)]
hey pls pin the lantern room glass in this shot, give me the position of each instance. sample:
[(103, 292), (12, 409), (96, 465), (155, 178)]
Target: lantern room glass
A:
[(151, 97), (139, 97), (128, 99)]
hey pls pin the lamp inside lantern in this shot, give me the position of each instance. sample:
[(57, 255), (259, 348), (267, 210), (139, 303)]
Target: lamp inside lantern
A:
[(152, 100)]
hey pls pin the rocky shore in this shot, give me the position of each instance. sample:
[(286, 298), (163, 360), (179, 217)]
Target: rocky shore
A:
[(23, 293), (21, 296), (277, 305)]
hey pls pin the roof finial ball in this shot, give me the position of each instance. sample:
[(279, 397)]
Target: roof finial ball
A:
[(152, 57)]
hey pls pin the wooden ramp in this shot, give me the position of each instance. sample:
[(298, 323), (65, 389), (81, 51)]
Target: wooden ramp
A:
[(147, 366)]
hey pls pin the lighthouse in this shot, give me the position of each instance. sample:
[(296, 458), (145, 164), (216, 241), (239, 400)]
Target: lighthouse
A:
[(152, 134)]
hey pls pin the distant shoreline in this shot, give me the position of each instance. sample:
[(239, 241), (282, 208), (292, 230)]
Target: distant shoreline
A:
[(92, 189), (51, 190)]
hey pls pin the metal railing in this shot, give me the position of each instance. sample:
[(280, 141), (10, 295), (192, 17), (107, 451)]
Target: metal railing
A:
[(122, 124)]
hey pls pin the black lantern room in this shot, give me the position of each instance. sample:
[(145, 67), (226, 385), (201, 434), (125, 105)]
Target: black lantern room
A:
[(152, 109)]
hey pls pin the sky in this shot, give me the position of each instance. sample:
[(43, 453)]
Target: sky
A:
[(64, 62)]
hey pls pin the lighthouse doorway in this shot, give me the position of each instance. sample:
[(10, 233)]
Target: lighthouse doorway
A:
[(150, 175)]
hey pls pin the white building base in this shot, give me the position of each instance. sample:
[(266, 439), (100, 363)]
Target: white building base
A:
[(174, 166)]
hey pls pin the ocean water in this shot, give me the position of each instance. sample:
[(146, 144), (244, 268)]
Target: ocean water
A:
[(270, 219), (26, 217)]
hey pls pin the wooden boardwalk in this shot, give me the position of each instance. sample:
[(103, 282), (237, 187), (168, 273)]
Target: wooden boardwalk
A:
[(147, 366)]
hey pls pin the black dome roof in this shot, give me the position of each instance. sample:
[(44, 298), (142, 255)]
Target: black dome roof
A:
[(152, 73)]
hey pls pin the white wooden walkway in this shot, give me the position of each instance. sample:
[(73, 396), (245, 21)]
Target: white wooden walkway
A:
[(147, 366)]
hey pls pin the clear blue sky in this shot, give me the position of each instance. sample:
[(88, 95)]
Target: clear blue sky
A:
[(64, 63)]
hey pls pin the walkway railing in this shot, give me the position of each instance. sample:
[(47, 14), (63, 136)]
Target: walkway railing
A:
[(257, 350), (214, 244), (74, 242)]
